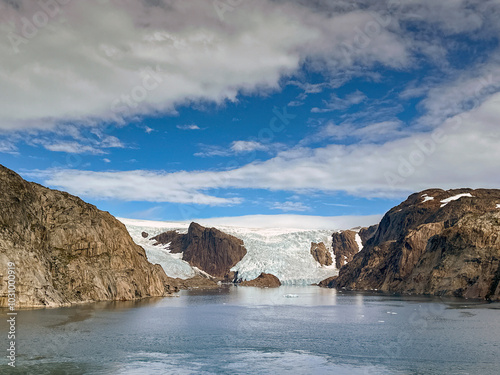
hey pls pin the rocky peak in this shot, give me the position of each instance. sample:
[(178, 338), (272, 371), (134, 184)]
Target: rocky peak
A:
[(344, 247), (444, 242), (68, 251), (209, 249)]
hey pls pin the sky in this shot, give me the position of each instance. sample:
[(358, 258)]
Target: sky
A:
[(175, 110)]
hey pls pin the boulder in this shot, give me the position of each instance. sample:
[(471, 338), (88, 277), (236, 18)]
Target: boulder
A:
[(321, 254), (264, 280)]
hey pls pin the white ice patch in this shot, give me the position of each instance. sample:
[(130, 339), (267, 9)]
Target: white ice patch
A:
[(359, 242), (426, 198), (283, 252), (454, 198), (172, 264)]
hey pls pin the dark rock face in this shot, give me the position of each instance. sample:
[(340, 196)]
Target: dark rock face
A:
[(367, 233), (67, 251), (321, 254), (209, 249), (427, 246), (344, 247), (264, 280), (144, 235)]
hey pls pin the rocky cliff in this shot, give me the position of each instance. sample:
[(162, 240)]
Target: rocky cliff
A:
[(344, 247), (208, 249), (321, 254), (67, 251), (436, 242)]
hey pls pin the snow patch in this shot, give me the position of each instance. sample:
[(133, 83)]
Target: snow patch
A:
[(454, 198), (359, 242), (498, 205), (426, 198)]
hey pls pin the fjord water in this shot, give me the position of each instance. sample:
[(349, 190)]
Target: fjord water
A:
[(243, 330)]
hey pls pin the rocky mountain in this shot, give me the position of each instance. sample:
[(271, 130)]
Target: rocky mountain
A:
[(344, 247), (208, 249), (67, 251), (264, 280), (321, 254), (436, 242), (345, 243)]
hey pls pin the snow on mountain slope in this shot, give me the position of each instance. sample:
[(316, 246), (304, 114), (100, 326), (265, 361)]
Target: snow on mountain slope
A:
[(171, 263), (283, 252)]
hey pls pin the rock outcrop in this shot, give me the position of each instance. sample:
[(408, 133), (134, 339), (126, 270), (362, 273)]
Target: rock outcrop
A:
[(264, 280), (321, 254), (344, 247), (436, 242), (367, 233), (208, 249), (196, 282), (67, 251)]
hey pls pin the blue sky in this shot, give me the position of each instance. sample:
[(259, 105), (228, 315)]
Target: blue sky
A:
[(174, 110)]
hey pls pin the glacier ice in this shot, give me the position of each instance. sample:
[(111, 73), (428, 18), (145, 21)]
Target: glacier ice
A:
[(283, 252), (172, 264)]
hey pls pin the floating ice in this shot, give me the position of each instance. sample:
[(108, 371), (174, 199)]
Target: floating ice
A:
[(291, 295), (454, 198)]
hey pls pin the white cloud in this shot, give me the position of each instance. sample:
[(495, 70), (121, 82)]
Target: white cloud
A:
[(289, 206), (106, 160), (73, 148), (188, 127), (238, 148), (390, 169), (248, 146), (376, 132), (340, 104), (268, 221), (7, 147), (293, 221), (178, 187), (81, 69)]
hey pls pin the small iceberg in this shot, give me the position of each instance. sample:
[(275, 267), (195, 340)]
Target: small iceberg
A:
[(291, 296)]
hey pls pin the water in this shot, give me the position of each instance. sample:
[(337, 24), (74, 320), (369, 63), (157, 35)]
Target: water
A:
[(238, 330)]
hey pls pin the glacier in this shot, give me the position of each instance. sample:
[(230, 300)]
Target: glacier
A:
[(283, 252)]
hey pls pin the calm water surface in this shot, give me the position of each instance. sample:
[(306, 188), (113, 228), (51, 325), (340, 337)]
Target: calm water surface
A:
[(288, 330)]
